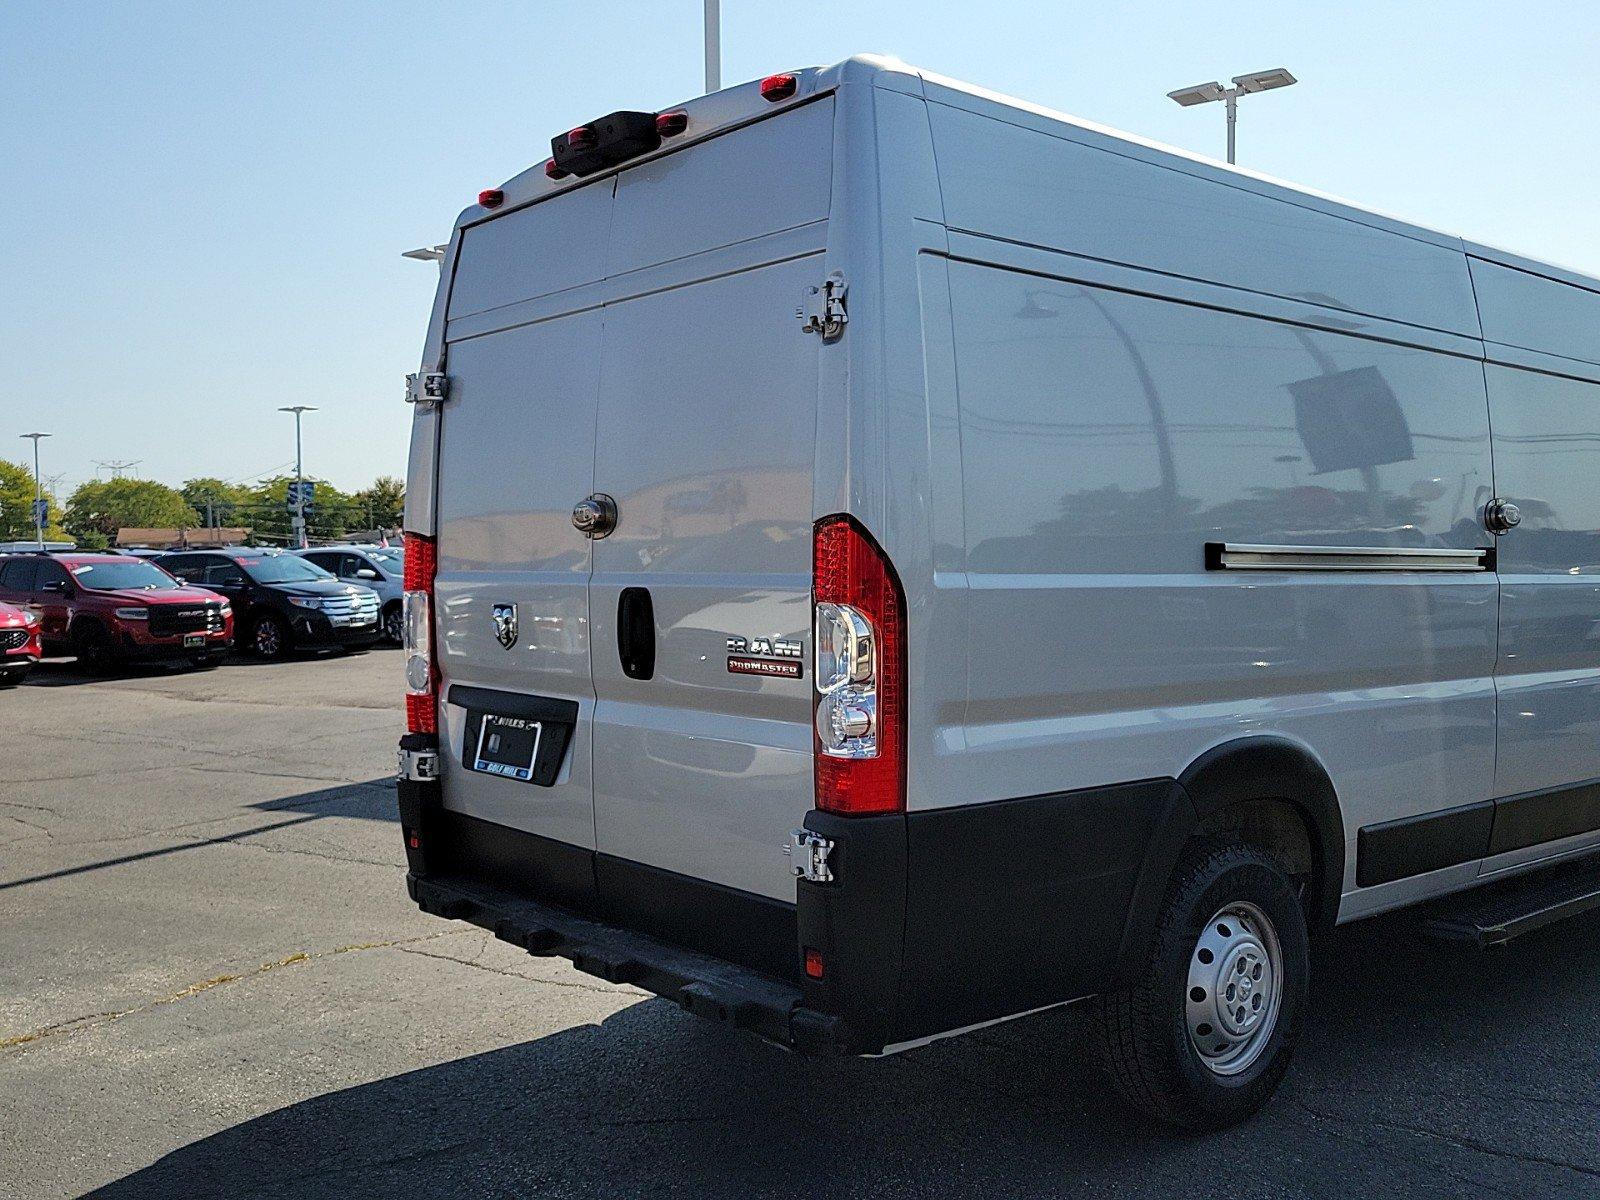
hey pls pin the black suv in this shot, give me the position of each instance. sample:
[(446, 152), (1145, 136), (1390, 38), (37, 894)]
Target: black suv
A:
[(281, 600)]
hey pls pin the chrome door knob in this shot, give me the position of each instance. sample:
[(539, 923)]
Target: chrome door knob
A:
[(596, 516), (1501, 516)]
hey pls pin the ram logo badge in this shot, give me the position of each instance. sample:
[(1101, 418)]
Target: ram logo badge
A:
[(505, 624), (773, 656)]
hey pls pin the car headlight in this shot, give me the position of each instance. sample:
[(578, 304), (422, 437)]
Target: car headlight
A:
[(226, 610), (132, 614), (306, 601)]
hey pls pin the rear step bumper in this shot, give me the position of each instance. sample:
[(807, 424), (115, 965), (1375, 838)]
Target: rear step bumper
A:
[(706, 986), (1501, 911)]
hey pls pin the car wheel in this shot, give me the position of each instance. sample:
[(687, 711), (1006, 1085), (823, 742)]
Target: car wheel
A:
[(1203, 1037), (394, 624), (268, 637), (93, 646)]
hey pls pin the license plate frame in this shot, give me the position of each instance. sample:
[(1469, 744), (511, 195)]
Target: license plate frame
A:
[(194, 641), (507, 747)]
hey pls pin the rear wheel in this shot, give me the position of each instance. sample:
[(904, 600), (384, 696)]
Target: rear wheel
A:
[(94, 649), (1204, 1036), (269, 637), (394, 624)]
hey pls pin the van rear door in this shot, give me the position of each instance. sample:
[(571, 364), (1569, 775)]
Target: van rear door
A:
[(707, 442), (516, 453)]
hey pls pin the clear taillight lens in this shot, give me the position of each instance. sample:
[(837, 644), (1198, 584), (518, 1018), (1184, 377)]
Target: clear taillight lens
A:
[(859, 627), (421, 561), (844, 647)]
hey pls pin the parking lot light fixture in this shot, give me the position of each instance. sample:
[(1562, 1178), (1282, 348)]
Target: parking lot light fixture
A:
[(299, 476), (38, 490), (1243, 85)]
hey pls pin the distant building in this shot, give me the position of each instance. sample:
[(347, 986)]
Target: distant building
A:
[(184, 539)]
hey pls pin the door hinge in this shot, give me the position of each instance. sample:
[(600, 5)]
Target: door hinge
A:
[(822, 308), (808, 856), (419, 766), (427, 387)]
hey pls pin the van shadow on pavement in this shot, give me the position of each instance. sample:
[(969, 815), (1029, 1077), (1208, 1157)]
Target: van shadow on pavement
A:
[(1425, 1071)]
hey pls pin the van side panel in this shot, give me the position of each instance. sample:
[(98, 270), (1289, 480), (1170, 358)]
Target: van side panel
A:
[(1112, 200), (1534, 312), (1547, 459), (1106, 438)]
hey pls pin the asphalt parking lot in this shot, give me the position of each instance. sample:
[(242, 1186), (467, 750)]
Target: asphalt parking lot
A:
[(212, 983)]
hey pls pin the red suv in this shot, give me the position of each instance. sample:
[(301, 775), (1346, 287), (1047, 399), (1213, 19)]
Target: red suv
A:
[(19, 643), (109, 609)]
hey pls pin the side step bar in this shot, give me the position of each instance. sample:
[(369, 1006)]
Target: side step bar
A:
[(1498, 912)]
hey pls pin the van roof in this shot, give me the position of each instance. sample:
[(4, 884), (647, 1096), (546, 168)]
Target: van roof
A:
[(743, 103)]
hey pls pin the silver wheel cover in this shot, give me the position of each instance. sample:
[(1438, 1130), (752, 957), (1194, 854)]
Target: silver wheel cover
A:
[(1235, 988)]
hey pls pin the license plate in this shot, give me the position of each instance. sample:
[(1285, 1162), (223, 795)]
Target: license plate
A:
[(507, 747), (193, 639)]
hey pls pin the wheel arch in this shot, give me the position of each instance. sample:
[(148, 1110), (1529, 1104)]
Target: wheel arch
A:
[(1231, 778), (81, 621)]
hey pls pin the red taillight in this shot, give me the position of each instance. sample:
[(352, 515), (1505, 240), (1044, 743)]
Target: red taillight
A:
[(554, 171), (421, 563), (491, 198), (778, 87), (813, 962), (861, 705), (581, 138), (670, 124)]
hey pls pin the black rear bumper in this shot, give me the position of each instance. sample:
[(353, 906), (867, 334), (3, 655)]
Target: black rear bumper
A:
[(932, 922), (708, 987)]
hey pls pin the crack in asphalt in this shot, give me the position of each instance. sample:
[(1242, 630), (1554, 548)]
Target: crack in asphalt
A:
[(93, 1020), (1459, 1141)]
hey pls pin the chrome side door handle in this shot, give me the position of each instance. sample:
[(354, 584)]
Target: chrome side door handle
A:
[(595, 516), (1501, 516)]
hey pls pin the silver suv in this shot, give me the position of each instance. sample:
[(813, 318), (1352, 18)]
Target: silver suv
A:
[(377, 567)]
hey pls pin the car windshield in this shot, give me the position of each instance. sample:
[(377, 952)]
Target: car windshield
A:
[(129, 575), (390, 561), (282, 568)]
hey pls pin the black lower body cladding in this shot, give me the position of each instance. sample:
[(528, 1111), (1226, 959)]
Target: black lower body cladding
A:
[(946, 918), (934, 920)]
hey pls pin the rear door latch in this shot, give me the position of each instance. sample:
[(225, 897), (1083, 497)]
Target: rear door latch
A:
[(822, 308), (808, 856)]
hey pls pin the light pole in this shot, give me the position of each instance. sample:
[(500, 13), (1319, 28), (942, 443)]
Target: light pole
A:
[(299, 477), (713, 46), (38, 490), (1243, 85)]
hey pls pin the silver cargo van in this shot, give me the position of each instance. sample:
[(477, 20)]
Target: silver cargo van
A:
[(883, 558)]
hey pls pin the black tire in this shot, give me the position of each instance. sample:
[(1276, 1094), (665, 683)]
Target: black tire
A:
[(269, 637), (1147, 1034), (96, 653), (394, 624)]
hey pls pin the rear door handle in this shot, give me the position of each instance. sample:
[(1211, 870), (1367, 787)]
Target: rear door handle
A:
[(636, 633)]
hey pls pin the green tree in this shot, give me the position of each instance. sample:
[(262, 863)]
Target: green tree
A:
[(332, 512), (16, 505), (104, 506), (216, 500), (383, 504)]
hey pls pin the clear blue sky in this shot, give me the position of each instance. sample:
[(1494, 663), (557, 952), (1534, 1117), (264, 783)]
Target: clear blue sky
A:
[(203, 205)]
